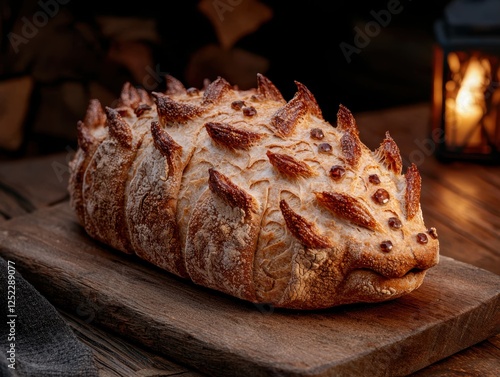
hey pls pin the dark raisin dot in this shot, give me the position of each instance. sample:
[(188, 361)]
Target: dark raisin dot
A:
[(317, 133), (337, 172), (422, 238), (237, 105), (374, 179), (324, 148), (139, 110), (381, 196), (433, 233), (395, 223), (254, 98), (249, 111), (192, 91), (386, 246)]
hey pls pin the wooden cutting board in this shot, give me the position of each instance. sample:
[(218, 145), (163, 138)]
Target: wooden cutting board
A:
[(457, 306)]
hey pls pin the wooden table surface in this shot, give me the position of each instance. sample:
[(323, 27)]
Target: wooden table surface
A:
[(461, 200)]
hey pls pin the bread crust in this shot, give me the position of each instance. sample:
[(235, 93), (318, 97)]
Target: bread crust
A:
[(236, 191)]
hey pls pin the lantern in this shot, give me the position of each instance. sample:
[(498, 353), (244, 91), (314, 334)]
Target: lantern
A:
[(466, 88)]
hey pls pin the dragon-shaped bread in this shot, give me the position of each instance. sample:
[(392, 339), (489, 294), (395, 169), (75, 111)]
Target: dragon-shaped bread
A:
[(243, 192)]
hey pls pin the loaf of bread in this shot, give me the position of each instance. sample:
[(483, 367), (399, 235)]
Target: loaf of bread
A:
[(248, 194)]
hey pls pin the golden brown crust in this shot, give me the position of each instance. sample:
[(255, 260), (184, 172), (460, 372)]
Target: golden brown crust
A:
[(95, 116), (164, 142), (232, 137), (345, 120), (388, 154), (129, 96), (170, 111), (347, 207), (351, 147), (220, 252), (118, 128), (267, 91), (289, 166), (174, 86), (305, 231), (85, 137), (90, 135), (234, 196), (215, 92), (151, 202), (412, 194), (104, 193), (307, 98), (246, 194), (286, 118)]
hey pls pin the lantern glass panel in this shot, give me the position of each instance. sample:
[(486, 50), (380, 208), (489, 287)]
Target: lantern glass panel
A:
[(471, 102)]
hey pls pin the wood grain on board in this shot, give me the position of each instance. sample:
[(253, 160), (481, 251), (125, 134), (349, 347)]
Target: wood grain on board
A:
[(456, 307)]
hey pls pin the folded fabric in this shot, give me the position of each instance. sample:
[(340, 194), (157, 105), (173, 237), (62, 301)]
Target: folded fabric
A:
[(35, 341)]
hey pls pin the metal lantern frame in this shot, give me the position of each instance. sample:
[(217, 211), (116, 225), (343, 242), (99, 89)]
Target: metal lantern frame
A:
[(472, 44)]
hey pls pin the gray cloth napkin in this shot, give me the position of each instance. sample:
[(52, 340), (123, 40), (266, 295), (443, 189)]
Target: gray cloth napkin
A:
[(44, 345)]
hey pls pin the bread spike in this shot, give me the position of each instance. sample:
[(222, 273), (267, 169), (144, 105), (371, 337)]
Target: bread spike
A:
[(229, 192), (267, 91), (412, 193), (174, 86), (215, 91), (118, 128), (285, 119), (84, 137), (389, 155), (346, 121), (129, 96), (305, 231), (172, 111), (289, 166), (133, 99), (164, 143), (351, 147), (231, 137), (95, 115), (308, 100), (347, 207)]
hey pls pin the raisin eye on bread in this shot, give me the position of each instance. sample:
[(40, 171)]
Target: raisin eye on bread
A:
[(246, 193)]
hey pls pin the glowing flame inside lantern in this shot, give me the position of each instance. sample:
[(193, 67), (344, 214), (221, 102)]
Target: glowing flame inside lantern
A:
[(470, 102), (471, 93)]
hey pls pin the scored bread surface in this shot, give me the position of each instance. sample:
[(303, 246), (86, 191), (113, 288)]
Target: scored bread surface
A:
[(246, 193)]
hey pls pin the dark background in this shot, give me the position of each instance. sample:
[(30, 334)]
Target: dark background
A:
[(72, 59)]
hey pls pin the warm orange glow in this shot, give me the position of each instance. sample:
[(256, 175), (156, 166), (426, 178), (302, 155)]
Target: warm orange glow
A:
[(470, 97), (469, 105)]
